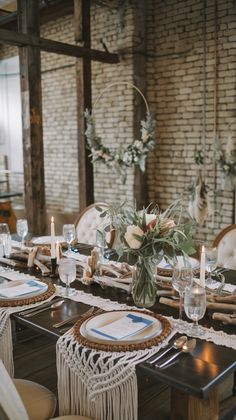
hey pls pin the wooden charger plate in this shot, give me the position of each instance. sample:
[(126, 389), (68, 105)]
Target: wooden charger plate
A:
[(118, 347)]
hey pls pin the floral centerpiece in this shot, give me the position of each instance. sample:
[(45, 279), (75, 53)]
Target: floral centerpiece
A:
[(148, 236)]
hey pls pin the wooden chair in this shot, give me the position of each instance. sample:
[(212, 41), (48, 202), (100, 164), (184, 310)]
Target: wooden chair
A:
[(25, 400), (225, 242), (88, 222), (7, 215)]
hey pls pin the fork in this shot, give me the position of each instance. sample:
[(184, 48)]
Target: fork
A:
[(96, 312)]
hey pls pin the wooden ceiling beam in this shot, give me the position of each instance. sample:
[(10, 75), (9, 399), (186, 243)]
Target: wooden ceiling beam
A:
[(55, 9), (21, 40)]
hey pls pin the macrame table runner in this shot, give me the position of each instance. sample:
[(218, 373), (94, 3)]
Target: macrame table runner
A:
[(97, 381), (6, 350)]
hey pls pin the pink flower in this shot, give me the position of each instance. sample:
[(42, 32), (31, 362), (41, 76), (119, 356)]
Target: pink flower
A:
[(152, 224), (151, 220), (167, 226)]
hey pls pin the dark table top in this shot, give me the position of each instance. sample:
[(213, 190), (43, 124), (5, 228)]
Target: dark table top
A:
[(197, 373)]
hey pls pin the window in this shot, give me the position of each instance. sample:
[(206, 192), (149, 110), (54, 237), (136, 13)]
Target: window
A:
[(10, 114)]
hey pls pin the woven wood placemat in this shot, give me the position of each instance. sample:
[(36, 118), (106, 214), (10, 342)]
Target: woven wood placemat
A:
[(166, 330), (29, 301)]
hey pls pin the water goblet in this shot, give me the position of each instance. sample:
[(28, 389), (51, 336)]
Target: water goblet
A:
[(67, 273), (211, 263), (195, 306), (5, 239), (69, 235), (181, 278), (22, 230)]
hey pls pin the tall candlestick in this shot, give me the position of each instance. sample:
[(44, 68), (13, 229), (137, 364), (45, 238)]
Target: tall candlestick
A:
[(53, 248), (202, 267), (58, 252)]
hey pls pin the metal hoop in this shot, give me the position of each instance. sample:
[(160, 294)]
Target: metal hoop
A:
[(121, 83)]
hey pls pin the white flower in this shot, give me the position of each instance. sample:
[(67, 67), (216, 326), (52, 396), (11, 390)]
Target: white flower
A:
[(138, 144), (127, 158), (145, 135), (130, 239)]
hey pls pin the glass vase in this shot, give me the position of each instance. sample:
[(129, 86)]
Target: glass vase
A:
[(144, 283)]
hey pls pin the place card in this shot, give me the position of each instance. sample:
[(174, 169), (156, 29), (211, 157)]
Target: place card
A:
[(124, 327), (30, 286)]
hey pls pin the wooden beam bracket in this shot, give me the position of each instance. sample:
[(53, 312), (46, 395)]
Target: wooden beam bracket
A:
[(22, 40)]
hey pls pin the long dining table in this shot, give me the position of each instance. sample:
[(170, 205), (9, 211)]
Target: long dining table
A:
[(193, 378)]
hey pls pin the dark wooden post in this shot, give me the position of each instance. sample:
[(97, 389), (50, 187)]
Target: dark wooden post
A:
[(83, 77), (30, 70)]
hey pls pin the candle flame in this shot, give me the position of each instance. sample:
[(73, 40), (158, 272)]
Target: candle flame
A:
[(52, 219), (203, 248)]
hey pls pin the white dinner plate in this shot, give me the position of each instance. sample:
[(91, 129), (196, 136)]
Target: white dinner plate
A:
[(164, 265), (46, 240), (22, 289), (101, 320)]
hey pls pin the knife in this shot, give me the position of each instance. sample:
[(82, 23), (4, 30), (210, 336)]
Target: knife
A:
[(66, 321), (73, 317), (38, 307)]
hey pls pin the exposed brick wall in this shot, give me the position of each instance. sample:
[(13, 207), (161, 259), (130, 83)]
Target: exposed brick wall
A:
[(59, 121), (114, 111), (175, 80), (175, 92)]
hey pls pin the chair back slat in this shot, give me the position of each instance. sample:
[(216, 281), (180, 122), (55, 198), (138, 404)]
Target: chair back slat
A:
[(10, 402)]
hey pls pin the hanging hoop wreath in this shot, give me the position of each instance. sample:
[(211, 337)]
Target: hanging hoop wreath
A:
[(134, 154)]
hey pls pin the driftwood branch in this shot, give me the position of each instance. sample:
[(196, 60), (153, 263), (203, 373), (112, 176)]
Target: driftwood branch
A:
[(165, 293), (169, 302), (45, 271), (227, 318), (210, 305)]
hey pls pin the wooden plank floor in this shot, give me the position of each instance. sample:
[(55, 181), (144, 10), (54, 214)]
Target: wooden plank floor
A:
[(35, 359)]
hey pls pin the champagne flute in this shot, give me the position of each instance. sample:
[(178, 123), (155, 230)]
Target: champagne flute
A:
[(22, 230), (181, 278), (195, 307), (211, 263), (69, 235), (67, 273)]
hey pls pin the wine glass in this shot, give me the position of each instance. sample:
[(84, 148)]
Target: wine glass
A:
[(5, 239), (101, 243), (211, 263), (181, 278), (67, 273), (22, 230), (69, 234), (195, 306)]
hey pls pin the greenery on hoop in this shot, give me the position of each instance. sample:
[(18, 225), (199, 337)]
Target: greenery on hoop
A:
[(134, 154), (226, 160), (199, 200)]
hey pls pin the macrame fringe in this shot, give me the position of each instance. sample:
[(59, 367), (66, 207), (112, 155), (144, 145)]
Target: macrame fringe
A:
[(6, 346), (98, 381)]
